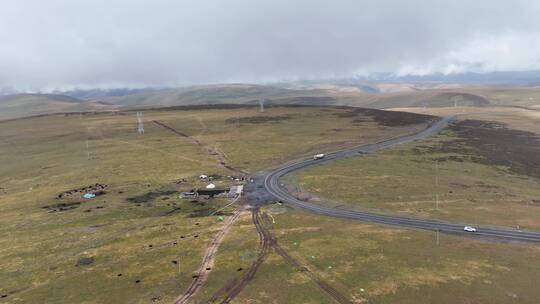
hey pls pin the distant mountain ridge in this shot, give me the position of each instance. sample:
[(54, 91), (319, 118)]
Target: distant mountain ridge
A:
[(55, 97), (21, 105), (100, 93), (510, 77), (378, 95)]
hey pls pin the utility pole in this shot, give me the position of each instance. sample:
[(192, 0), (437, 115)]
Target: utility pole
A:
[(261, 103), (87, 145), (437, 237), (87, 151), (140, 127), (436, 185)]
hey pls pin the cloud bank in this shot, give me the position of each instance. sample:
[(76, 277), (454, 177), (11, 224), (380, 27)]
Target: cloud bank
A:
[(133, 43)]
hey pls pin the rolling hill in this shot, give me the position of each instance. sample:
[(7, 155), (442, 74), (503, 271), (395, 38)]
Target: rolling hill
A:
[(389, 96), (22, 105), (429, 99), (212, 94)]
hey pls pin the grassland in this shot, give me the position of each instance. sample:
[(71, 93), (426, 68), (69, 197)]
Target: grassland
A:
[(140, 243), (391, 95), (253, 141), (509, 96), (21, 105), (42, 157), (376, 264), (474, 173)]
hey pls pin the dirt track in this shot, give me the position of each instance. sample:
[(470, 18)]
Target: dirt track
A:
[(208, 261), (331, 291), (213, 152), (232, 289), (267, 241)]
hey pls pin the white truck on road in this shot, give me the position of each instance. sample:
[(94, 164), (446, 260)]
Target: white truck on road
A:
[(318, 156)]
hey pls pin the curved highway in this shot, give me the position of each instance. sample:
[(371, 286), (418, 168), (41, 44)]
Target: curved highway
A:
[(273, 186)]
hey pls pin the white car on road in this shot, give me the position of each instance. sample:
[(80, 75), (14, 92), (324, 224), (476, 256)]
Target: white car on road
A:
[(469, 229)]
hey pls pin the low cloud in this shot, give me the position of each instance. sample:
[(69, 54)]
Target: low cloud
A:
[(134, 43)]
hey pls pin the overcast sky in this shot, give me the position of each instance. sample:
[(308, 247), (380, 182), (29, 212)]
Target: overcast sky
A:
[(133, 43)]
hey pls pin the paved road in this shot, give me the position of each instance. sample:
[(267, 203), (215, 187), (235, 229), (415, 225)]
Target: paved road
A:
[(272, 185)]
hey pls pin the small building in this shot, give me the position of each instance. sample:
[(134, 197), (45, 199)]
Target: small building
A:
[(211, 192), (191, 194), (236, 191)]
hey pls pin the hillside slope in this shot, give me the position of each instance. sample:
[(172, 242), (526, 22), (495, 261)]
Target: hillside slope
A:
[(22, 105), (215, 94), (428, 99)]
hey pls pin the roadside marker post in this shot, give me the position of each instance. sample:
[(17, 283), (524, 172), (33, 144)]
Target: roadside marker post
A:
[(273, 220)]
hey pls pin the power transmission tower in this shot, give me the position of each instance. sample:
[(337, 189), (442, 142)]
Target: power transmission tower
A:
[(140, 128)]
